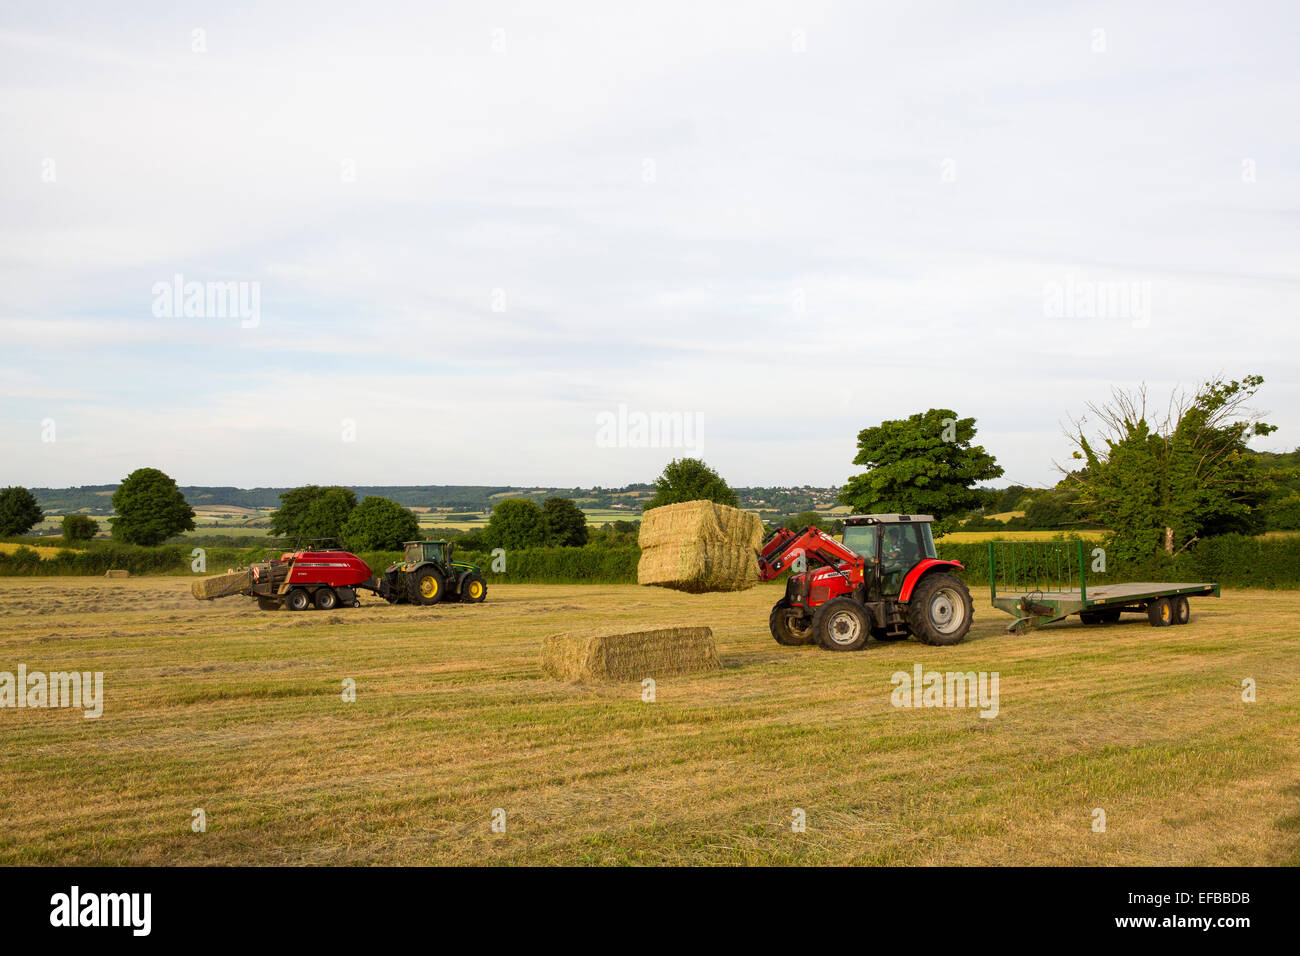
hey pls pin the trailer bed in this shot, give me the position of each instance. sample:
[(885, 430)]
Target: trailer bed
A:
[(1033, 601)]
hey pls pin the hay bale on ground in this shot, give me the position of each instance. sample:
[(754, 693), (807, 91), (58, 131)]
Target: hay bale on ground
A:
[(221, 585), (113, 573), (613, 655), (699, 546)]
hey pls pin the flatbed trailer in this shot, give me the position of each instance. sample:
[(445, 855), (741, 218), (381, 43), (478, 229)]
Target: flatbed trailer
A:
[(1041, 583)]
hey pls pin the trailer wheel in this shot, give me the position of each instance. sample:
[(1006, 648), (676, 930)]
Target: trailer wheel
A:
[(788, 626), (473, 589), (297, 600), (325, 599), (842, 625), (940, 611), (1181, 608), (426, 586), (267, 603), (1160, 612)]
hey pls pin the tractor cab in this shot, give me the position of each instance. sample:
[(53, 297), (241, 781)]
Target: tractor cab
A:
[(419, 552), (893, 542)]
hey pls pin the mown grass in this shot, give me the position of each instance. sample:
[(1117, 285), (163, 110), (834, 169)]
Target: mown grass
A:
[(239, 712)]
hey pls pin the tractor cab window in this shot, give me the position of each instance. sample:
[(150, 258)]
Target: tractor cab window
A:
[(927, 542), (862, 539), (414, 553), (899, 548)]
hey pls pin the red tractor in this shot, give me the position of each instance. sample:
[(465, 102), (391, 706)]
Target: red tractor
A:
[(883, 581)]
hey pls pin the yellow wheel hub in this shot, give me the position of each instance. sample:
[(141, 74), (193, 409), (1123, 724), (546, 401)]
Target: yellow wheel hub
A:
[(475, 589), (428, 586)]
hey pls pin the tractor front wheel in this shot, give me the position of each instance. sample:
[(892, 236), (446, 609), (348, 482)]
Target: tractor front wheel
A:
[(426, 586), (842, 625), (940, 611), (473, 589), (789, 626)]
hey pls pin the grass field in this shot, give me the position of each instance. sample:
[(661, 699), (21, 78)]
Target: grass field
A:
[(968, 537), (239, 712)]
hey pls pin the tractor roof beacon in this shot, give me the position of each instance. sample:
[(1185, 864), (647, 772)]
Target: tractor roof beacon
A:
[(884, 580), (427, 575)]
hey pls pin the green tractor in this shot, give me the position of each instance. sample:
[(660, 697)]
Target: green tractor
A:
[(427, 575)]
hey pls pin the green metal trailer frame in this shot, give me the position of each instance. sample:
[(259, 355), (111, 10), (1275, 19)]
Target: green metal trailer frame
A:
[(1045, 582)]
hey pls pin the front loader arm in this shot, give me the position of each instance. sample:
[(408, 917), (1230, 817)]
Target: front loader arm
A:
[(812, 544)]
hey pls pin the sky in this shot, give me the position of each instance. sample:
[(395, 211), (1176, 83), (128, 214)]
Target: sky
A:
[(478, 243)]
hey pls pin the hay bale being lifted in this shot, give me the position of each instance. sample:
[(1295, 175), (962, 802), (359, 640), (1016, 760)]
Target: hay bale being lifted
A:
[(613, 655), (221, 585), (699, 546)]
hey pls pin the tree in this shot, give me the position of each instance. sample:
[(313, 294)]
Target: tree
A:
[(378, 524), (566, 523), (690, 479), (804, 519), (79, 528), (19, 511), (150, 508), (313, 512), (923, 464), (1188, 475), (517, 523)]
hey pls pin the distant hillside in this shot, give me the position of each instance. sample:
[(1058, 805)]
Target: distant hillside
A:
[(97, 499)]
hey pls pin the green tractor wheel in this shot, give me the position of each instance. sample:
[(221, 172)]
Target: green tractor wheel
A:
[(427, 585)]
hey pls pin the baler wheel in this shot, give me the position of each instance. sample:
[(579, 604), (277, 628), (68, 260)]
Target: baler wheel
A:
[(297, 600), (325, 599)]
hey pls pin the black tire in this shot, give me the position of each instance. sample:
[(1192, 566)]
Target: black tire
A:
[(297, 600), (1182, 609), (940, 610), (1160, 612), (426, 586), (788, 626), (880, 634), (1101, 615), (473, 589), (842, 625), (325, 599), (267, 603)]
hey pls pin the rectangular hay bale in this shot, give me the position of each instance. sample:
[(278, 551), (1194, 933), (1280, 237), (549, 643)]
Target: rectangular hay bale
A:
[(699, 547), (613, 655), (221, 585)]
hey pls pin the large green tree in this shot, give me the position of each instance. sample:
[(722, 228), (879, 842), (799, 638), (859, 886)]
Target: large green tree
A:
[(313, 511), (1159, 485), (150, 508), (922, 464), (379, 524), (19, 512), (566, 524), (690, 479), (517, 523)]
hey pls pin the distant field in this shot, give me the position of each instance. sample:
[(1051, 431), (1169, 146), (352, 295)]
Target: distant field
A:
[(221, 707), (968, 537), (42, 550)]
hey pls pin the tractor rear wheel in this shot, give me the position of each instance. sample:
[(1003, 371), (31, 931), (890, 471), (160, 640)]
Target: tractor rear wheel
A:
[(297, 600), (473, 589), (426, 586), (1182, 609), (1160, 612), (842, 625), (940, 610), (788, 626)]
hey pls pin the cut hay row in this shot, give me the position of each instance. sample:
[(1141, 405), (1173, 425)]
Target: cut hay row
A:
[(611, 655), (220, 585), (698, 547)]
